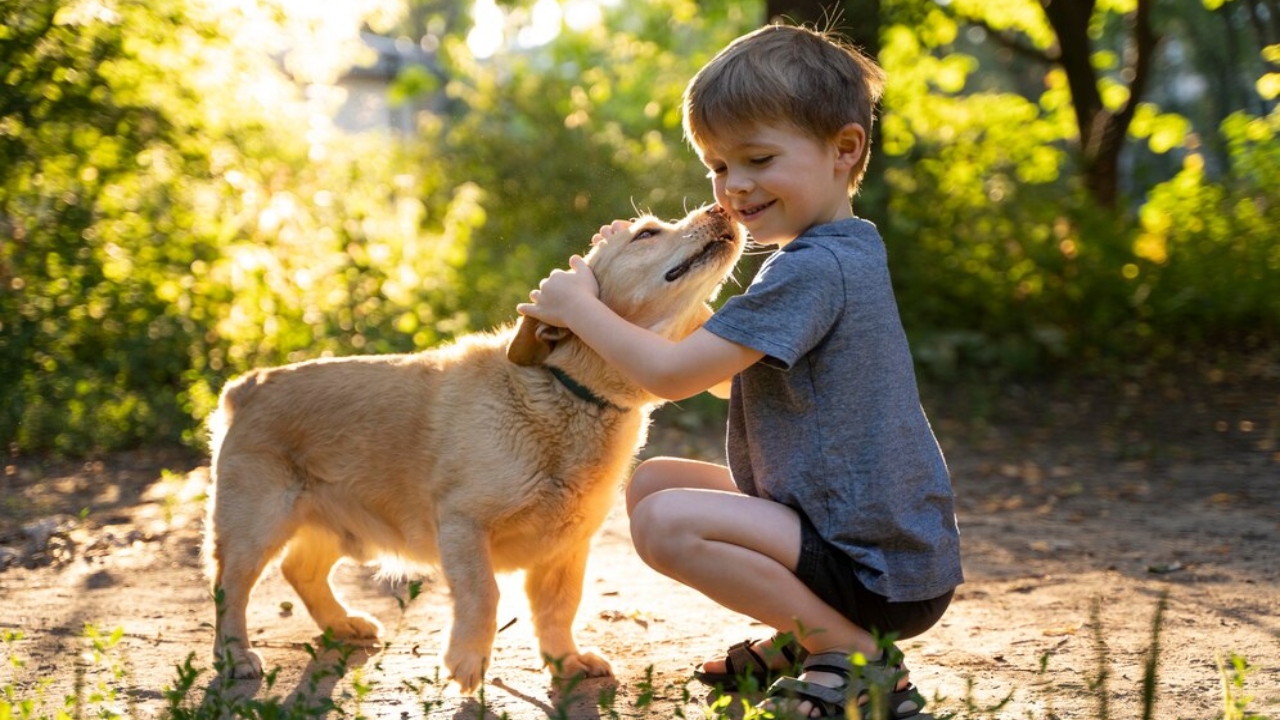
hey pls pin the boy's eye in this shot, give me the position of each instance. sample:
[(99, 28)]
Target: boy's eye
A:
[(761, 160)]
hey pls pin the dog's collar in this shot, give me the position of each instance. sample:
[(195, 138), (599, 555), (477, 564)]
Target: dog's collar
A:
[(582, 391)]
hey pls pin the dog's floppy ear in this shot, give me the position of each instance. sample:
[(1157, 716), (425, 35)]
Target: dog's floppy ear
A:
[(533, 342)]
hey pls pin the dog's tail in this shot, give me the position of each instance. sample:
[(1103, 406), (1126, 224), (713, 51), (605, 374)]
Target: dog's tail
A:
[(234, 395)]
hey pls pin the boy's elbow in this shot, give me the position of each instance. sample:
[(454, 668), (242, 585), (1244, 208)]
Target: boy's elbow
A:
[(672, 387), (671, 393), (721, 389)]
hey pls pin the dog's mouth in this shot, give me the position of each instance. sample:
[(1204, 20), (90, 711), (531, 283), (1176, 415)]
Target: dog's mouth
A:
[(709, 251)]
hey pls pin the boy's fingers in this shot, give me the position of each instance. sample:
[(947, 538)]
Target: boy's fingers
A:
[(607, 231)]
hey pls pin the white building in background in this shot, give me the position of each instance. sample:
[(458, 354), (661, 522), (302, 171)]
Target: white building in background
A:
[(366, 103)]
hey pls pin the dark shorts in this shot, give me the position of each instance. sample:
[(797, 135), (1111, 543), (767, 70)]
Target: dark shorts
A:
[(831, 575)]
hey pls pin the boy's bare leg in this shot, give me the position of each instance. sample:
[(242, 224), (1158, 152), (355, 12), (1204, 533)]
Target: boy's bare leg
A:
[(689, 522), (668, 473)]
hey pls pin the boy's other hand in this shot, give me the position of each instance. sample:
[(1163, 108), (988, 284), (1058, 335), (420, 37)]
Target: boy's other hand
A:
[(561, 291), (608, 231)]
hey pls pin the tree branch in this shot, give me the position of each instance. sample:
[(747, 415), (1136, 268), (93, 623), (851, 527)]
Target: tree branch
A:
[(1145, 40), (1009, 41)]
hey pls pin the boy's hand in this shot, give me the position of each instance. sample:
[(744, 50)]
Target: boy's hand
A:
[(560, 292), (608, 231)]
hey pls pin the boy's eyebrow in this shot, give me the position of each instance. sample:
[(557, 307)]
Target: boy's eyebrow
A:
[(737, 146)]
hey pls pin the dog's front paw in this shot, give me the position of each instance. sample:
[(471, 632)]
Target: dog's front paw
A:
[(466, 669), (241, 664), (356, 626), (586, 664)]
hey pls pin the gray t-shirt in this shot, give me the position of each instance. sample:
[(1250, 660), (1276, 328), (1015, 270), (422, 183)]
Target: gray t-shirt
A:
[(829, 421)]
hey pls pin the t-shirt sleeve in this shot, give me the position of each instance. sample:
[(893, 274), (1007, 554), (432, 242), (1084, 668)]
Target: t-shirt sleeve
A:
[(790, 306)]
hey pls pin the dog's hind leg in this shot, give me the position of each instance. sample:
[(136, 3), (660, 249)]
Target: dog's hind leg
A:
[(308, 563), (554, 588), (251, 519)]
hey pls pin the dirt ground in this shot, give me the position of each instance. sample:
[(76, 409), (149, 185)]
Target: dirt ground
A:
[(1079, 511)]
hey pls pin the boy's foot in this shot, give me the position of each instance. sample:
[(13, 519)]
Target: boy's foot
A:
[(761, 660), (830, 682)]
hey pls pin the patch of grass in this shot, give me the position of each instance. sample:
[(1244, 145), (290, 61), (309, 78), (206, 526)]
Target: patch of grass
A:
[(102, 677)]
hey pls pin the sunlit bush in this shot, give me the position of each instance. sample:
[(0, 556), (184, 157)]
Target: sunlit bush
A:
[(166, 226), (569, 136), (1005, 267), (1206, 263)]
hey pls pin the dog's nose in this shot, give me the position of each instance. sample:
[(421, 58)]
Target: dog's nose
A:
[(717, 210)]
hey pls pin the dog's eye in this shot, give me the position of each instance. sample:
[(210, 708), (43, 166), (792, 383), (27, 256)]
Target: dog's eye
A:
[(644, 234)]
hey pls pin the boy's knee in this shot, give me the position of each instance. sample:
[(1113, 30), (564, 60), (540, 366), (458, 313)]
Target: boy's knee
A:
[(646, 528), (644, 482)]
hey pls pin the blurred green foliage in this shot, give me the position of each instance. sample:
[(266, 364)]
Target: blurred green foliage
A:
[(166, 226), (566, 138), (172, 213), (1005, 267)]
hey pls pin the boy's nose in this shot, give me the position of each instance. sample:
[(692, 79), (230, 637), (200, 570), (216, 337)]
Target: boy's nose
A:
[(737, 183)]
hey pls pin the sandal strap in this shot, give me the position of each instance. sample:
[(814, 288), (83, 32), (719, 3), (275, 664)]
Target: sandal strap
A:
[(742, 659), (885, 672), (858, 679), (830, 702), (834, 662), (791, 649)]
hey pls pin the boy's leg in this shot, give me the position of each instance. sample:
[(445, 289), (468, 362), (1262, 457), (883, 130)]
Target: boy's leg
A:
[(741, 552), (666, 473), (689, 522)]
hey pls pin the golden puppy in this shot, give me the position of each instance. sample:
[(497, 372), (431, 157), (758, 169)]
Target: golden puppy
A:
[(503, 451)]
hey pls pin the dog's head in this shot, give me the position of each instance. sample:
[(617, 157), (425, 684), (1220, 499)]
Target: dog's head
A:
[(658, 275)]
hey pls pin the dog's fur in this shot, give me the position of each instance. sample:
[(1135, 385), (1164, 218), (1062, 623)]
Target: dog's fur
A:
[(474, 457)]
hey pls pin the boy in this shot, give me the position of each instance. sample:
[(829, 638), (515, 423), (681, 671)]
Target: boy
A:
[(834, 519)]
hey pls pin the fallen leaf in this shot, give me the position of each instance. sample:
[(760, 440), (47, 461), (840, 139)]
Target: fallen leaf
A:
[(1071, 629), (635, 616)]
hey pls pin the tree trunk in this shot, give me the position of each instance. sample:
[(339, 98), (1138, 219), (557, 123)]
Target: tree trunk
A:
[(1102, 132)]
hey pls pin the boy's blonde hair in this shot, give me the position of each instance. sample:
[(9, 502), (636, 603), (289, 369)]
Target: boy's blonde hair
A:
[(809, 79)]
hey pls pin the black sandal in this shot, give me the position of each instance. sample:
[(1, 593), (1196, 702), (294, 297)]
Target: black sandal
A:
[(882, 675), (742, 661)]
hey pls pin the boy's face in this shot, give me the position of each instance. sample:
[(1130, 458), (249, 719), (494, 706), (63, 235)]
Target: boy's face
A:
[(778, 181)]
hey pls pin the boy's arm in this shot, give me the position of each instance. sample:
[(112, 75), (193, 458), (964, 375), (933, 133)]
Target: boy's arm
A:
[(669, 369)]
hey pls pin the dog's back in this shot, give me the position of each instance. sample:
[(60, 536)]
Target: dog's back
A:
[(376, 446)]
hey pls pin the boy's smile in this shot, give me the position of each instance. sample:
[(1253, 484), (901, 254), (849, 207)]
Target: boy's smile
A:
[(778, 181), (746, 214)]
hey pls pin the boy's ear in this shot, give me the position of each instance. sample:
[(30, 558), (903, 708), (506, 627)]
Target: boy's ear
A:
[(851, 143)]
